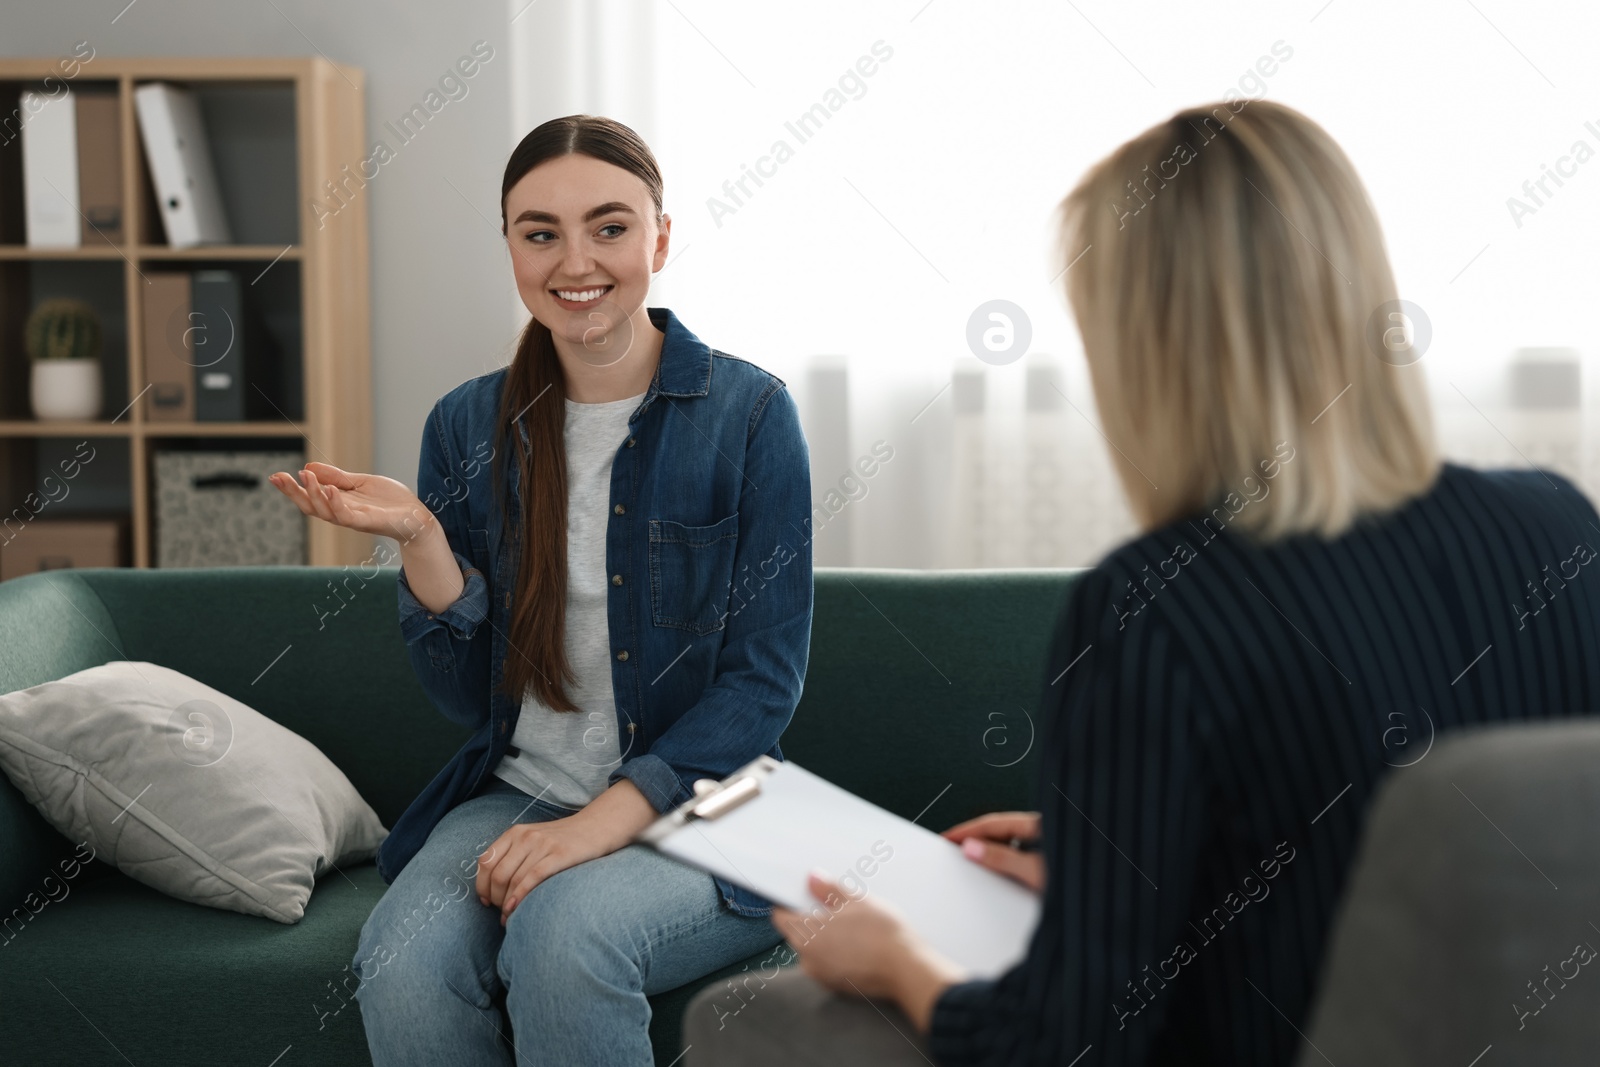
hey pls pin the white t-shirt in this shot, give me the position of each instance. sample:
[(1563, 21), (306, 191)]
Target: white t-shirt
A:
[(565, 756)]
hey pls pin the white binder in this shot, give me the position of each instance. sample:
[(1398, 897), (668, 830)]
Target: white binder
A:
[(179, 154), (769, 824), (50, 169)]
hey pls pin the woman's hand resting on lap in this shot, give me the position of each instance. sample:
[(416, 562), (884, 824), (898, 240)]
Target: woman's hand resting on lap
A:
[(986, 840), (369, 503), (527, 854)]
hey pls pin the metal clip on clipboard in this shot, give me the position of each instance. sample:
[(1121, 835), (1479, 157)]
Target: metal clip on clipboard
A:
[(712, 800)]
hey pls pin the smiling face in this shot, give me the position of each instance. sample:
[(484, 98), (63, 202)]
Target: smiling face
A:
[(584, 242)]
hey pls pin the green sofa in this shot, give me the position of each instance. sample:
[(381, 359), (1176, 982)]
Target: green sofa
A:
[(920, 696)]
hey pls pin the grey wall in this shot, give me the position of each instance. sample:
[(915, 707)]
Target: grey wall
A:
[(443, 301)]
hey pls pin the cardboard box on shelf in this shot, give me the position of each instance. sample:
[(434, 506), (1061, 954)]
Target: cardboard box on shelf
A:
[(54, 544)]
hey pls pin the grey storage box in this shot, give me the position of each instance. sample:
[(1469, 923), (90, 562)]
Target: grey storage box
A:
[(217, 509)]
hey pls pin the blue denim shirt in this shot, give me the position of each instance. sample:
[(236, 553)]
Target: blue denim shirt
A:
[(710, 596)]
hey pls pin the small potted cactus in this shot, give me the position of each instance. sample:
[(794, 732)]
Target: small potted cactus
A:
[(62, 337)]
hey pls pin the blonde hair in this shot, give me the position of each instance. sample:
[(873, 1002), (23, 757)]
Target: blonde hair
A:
[(1231, 270)]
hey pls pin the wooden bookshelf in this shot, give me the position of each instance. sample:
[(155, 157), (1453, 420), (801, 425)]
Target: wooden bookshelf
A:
[(319, 273)]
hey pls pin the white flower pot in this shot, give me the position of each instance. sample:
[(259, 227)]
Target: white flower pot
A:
[(66, 388)]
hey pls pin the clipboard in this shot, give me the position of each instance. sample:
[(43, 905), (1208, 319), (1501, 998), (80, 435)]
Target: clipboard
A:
[(769, 824)]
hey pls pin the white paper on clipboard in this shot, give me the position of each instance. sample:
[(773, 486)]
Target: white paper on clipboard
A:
[(770, 824)]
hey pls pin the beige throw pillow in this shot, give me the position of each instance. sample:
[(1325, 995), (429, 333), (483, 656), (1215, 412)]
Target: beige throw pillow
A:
[(184, 788)]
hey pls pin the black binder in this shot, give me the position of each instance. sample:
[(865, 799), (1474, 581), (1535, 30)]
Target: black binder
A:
[(239, 371)]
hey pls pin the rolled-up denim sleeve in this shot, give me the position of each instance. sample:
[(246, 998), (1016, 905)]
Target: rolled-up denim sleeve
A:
[(461, 617), (449, 649), (762, 663)]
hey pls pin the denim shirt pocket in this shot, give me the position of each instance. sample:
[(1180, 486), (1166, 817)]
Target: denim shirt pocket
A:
[(691, 573)]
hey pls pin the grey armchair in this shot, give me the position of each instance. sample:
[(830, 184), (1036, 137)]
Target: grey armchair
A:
[(1467, 933)]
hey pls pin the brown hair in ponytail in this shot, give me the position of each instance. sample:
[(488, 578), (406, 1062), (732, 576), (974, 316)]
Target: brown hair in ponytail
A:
[(537, 654)]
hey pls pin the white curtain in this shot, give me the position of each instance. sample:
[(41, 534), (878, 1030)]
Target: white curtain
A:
[(983, 467), (850, 183)]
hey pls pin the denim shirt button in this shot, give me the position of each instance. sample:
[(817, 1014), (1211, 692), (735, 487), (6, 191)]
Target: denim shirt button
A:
[(623, 655), (502, 727), (616, 579), (630, 442), (620, 510)]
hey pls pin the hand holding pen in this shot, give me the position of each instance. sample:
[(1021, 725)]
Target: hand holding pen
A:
[(1004, 841)]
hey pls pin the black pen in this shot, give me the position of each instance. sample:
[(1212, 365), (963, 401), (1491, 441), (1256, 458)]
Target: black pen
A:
[(1030, 845)]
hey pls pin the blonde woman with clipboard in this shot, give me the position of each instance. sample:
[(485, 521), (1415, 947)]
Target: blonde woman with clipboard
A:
[(1217, 690)]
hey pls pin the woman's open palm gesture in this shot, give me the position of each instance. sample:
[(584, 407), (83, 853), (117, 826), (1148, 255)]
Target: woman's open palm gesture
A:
[(370, 503)]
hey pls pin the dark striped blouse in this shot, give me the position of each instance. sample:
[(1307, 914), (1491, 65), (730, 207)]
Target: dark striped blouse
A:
[(1216, 715)]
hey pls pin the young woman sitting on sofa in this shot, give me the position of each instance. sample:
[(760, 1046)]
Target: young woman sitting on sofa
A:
[(1220, 695), (602, 578)]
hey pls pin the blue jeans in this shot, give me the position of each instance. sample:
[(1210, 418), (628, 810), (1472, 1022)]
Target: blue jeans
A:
[(571, 968)]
